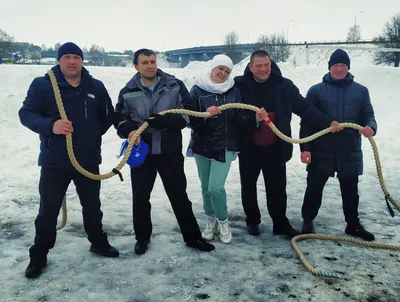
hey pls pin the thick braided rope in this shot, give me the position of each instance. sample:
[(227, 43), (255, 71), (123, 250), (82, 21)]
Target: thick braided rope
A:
[(288, 139), (324, 273), (64, 214)]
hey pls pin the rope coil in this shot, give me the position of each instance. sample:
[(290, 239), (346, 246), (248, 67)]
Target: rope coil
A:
[(328, 274), (116, 170)]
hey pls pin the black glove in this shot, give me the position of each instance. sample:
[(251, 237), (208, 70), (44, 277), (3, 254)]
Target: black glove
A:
[(158, 121)]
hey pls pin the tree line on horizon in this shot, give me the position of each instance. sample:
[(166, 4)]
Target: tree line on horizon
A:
[(96, 55)]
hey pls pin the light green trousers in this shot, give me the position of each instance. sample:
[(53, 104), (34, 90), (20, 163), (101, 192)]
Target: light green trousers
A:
[(212, 176)]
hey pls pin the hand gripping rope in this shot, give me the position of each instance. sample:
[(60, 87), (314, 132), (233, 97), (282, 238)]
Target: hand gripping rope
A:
[(116, 170)]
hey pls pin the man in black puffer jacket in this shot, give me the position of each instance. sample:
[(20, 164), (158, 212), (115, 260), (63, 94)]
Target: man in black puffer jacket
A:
[(149, 92), (265, 88), (347, 101), (90, 112)]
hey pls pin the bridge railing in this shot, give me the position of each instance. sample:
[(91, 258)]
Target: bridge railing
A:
[(239, 47)]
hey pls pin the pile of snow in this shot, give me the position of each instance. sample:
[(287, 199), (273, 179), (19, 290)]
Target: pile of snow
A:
[(48, 61), (319, 54)]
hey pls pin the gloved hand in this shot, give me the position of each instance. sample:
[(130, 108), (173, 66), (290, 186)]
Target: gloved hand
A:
[(158, 121), (171, 121)]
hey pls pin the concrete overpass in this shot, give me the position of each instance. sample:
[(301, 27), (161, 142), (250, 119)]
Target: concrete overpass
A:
[(236, 52)]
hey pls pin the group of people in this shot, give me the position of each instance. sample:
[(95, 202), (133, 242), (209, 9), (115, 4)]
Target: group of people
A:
[(216, 141)]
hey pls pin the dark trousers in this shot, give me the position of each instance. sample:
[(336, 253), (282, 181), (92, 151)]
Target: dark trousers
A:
[(52, 188), (171, 170), (267, 160), (313, 197)]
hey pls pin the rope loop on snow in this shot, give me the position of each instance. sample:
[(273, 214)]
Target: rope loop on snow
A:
[(327, 274)]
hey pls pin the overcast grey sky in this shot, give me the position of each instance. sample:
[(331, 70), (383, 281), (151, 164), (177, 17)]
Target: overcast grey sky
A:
[(158, 24)]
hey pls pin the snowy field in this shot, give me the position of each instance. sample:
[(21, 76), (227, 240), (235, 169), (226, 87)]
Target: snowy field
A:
[(264, 268)]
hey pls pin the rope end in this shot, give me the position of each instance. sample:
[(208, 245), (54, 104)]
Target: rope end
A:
[(388, 205), (332, 275), (115, 171)]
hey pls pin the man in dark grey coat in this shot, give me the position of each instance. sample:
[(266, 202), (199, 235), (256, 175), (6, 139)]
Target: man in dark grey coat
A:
[(149, 92), (346, 101)]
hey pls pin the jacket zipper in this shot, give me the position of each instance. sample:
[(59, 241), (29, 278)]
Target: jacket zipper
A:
[(226, 127), (48, 144), (85, 109)]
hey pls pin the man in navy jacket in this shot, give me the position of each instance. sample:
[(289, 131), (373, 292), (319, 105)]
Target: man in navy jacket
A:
[(90, 114), (347, 101)]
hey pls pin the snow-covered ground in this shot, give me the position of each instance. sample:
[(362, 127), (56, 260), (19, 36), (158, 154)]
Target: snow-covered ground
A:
[(264, 268)]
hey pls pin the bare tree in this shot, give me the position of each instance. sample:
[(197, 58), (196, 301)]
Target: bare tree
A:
[(5, 44), (57, 46), (275, 45), (231, 38), (263, 39), (354, 34), (36, 56), (390, 38), (97, 54)]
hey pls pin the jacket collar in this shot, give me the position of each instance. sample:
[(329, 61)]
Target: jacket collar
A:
[(135, 82), (347, 80)]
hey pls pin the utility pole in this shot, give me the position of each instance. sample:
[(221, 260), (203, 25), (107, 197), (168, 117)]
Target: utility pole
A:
[(248, 33), (355, 18), (287, 31)]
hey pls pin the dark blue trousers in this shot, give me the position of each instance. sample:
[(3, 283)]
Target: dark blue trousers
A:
[(316, 181), (53, 185), (266, 160), (171, 170)]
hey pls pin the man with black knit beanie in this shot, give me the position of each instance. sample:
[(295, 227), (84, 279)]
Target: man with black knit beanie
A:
[(346, 101), (90, 114)]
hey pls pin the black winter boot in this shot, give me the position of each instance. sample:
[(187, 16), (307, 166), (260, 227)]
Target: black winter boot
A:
[(287, 230), (253, 229), (35, 266), (359, 231), (201, 245), (141, 246), (307, 227), (103, 248)]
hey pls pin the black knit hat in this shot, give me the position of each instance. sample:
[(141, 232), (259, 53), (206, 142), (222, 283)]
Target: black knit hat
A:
[(339, 56), (69, 48), (144, 51)]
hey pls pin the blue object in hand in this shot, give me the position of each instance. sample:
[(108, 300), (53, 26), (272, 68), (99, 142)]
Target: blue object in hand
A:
[(138, 154)]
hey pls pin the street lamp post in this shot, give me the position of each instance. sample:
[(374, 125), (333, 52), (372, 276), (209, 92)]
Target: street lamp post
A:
[(355, 18), (248, 33), (287, 31)]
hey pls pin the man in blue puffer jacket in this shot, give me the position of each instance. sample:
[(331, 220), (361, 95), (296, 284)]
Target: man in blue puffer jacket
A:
[(342, 98), (90, 114)]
